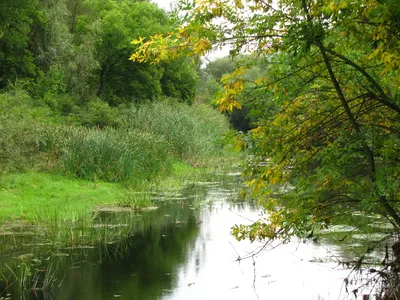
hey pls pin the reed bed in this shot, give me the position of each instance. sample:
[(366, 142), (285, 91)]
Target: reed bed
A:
[(154, 136), (192, 132)]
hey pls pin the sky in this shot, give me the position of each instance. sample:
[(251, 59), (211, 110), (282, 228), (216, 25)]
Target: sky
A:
[(166, 4)]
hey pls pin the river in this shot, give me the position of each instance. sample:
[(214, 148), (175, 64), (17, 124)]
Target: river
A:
[(184, 250)]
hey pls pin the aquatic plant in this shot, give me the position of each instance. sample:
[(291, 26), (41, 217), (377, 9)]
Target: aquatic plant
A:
[(113, 155)]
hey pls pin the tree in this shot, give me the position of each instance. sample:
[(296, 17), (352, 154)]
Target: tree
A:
[(16, 19), (179, 79), (111, 24), (327, 140)]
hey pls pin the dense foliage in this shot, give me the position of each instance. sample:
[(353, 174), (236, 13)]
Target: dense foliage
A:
[(83, 129), (144, 144), (68, 52)]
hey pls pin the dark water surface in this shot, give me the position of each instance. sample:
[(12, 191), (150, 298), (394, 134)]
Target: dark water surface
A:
[(184, 250)]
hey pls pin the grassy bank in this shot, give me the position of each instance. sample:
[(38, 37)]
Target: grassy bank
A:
[(56, 169), (61, 175), (44, 198), (37, 197)]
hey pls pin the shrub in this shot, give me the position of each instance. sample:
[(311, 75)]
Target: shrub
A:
[(20, 125), (98, 113)]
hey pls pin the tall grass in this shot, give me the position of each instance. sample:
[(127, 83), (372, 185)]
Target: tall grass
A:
[(113, 155), (192, 132), (153, 137), (149, 139)]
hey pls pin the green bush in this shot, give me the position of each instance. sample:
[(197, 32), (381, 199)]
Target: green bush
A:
[(20, 125), (98, 113)]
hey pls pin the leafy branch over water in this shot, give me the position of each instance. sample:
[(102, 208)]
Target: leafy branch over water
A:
[(325, 108)]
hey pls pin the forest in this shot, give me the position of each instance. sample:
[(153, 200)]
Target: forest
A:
[(115, 95)]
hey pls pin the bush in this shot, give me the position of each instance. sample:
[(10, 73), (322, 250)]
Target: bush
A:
[(20, 125), (98, 113)]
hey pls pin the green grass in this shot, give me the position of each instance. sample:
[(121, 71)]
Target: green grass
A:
[(35, 196), (61, 211), (40, 197), (113, 155), (154, 137), (134, 199)]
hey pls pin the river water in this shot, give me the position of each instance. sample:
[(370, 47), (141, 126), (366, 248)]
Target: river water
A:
[(184, 250)]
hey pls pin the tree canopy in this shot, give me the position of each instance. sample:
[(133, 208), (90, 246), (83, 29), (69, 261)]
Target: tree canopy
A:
[(326, 142), (69, 52)]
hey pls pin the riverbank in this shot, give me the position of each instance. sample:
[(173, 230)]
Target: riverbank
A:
[(44, 199), (48, 219), (182, 250), (61, 167), (57, 170)]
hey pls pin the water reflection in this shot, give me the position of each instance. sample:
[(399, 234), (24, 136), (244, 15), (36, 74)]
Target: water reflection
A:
[(148, 269), (213, 272), (184, 250), (193, 256)]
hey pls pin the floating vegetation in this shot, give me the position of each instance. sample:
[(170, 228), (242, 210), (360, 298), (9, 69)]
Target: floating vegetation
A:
[(371, 237)]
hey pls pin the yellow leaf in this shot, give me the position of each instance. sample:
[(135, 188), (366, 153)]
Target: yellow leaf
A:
[(239, 4), (238, 86), (202, 46), (237, 72), (373, 54), (137, 41), (237, 105), (258, 81)]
